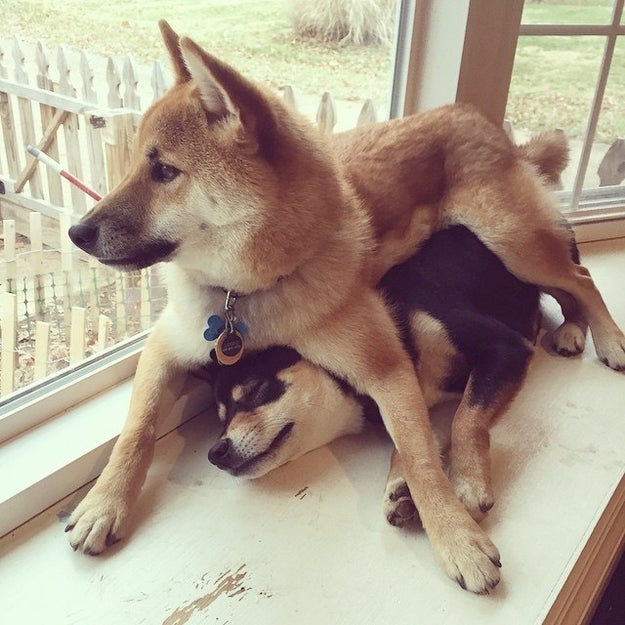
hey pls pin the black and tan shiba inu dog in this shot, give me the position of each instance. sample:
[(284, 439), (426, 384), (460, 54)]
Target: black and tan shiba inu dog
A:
[(264, 222), (469, 326)]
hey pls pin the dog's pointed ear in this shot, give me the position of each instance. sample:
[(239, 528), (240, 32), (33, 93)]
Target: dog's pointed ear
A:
[(213, 96), (172, 43), (224, 91)]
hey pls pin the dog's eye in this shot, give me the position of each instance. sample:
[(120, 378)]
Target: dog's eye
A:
[(161, 172), (259, 392)]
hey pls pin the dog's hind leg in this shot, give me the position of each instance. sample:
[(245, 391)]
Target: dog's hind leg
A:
[(497, 358), (516, 218), (568, 339)]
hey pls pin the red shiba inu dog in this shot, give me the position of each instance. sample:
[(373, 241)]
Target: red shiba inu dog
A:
[(279, 236)]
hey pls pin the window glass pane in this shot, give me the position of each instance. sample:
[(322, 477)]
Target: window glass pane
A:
[(65, 307), (552, 86), (567, 11), (609, 169)]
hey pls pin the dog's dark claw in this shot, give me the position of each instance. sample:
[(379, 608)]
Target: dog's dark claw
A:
[(497, 563), (461, 582), (111, 539), (486, 506), (69, 527)]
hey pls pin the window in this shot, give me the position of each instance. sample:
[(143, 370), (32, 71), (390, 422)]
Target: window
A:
[(568, 74), (63, 313)]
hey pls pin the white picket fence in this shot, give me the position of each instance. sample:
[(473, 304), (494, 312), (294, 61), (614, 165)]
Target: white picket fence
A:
[(56, 305), (58, 308)]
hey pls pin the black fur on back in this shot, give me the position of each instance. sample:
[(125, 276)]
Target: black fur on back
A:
[(455, 278), (485, 310)]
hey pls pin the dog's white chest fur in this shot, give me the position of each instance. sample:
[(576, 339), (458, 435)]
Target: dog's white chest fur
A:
[(189, 307)]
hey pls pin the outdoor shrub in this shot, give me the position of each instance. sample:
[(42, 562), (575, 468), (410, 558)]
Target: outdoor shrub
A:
[(359, 22)]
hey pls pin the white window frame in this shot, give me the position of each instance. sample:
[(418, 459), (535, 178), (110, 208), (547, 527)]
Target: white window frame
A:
[(475, 42)]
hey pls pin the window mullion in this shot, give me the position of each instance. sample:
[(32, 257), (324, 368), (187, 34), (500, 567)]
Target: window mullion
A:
[(597, 102)]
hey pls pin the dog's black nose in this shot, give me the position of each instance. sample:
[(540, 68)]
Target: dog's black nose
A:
[(84, 236), (219, 454)]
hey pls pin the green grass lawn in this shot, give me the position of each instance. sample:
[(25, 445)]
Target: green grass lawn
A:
[(554, 78), (552, 85), (253, 35)]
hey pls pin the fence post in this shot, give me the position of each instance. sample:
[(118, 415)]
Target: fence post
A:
[(67, 256), (104, 326), (95, 151), (288, 93), (9, 342), (42, 348), (115, 138), (326, 113), (70, 130), (367, 113), (158, 82), (8, 232), (26, 117), (36, 261), (145, 309), (78, 333), (55, 188), (9, 133)]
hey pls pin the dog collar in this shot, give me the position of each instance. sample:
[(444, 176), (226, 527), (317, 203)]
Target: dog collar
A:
[(228, 331)]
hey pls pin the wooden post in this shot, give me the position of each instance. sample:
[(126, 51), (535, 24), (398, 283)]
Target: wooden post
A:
[(42, 348), (145, 309), (367, 113), (288, 93), (36, 261), (67, 247), (93, 135), (120, 306), (115, 140), (72, 137), (8, 323), (78, 333), (611, 170), (48, 114), (8, 230), (158, 82), (24, 106), (326, 113), (7, 121), (104, 327)]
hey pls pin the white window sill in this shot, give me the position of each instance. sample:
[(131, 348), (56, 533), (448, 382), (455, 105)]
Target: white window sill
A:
[(558, 465), (53, 459)]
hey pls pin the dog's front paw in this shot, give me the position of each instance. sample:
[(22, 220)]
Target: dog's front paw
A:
[(399, 509), (97, 523), (569, 339), (471, 559), (611, 351)]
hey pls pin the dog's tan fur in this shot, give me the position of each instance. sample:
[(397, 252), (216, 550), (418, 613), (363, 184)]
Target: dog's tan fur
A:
[(257, 202)]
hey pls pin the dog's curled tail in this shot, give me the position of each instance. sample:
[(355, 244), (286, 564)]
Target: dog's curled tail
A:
[(549, 153)]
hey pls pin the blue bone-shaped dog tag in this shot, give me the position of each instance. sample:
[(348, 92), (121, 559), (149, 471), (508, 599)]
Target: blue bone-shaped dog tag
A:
[(216, 325)]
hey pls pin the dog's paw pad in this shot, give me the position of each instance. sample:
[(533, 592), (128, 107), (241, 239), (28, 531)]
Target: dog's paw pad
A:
[(612, 352), (569, 340), (399, 509)]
